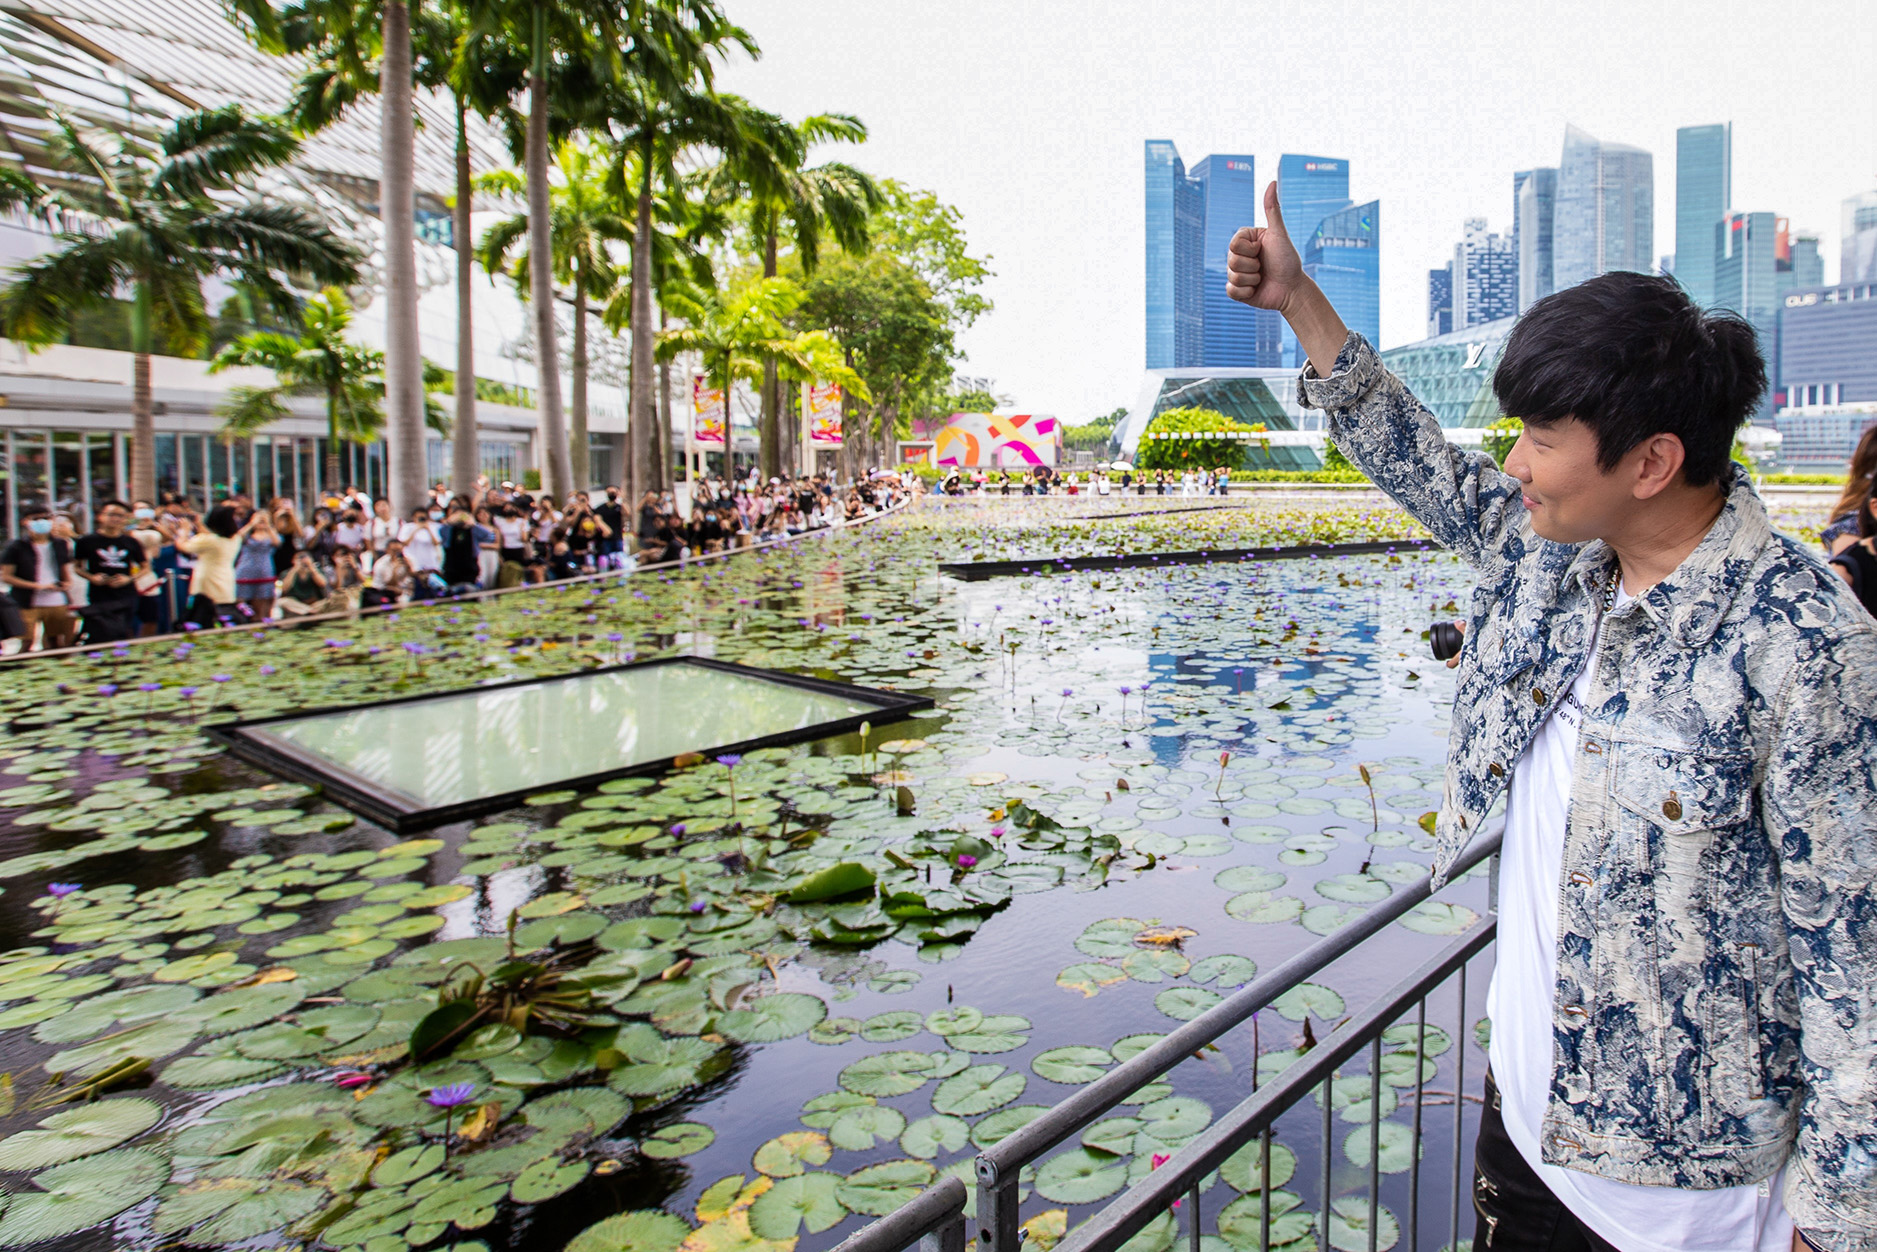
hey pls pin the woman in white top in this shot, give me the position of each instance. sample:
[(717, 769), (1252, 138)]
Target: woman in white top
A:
[(383, 527), (423, 544)]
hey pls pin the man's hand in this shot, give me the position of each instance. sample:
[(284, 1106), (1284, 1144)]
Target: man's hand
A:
[(1262, 266)]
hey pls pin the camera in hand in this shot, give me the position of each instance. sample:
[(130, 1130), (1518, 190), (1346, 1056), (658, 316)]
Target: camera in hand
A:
[(1445, 640)]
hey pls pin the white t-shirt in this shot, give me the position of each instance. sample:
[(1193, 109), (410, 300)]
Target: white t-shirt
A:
[(382, 530), (349, 535), (47, 562), (421, 550), (511, 529), (1750, 1218)]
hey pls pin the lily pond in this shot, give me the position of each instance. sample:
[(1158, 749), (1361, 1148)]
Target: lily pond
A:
[(743, 1005)]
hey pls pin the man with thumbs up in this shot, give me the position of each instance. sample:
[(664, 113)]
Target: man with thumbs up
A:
[(1679, 705)]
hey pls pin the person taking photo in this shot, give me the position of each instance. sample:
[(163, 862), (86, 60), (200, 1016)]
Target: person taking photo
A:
[(1679, 705)]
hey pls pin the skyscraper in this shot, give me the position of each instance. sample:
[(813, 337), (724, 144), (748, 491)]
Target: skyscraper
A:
[(1485, 276), (1309, 189), (1440, 300), (1534, 216), (1190, 223), (1344, 257), (1173, 264), (1231, 333), (1858, 262), (1605, 215), (1704, 180)]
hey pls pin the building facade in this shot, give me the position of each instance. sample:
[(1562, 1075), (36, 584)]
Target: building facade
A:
[(1828, 346), (1704, 174), (1343, 256), (1452, 374), (1858, 261), (1440, 300), (1485, 276), (1605, 215), (1309, 189), (1191, 217), (1534, 225)]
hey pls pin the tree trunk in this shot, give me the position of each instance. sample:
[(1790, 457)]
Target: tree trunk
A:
[(465, 454), (645, 476), (142, 411), (556, 470), (404, 366), (332, 438), (582, 445), (663, 443), (769, 433)]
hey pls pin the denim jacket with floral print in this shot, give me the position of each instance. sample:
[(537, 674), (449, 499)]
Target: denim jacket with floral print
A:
[(1715, 1013)]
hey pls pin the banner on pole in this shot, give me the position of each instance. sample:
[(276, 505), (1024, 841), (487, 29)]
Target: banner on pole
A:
[(823, 404), (708, 411)]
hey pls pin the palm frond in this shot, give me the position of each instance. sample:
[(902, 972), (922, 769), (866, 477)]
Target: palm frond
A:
[(42, 295), (492, 250), (279, 237), (325, 94), (212, 150), (248, 410)]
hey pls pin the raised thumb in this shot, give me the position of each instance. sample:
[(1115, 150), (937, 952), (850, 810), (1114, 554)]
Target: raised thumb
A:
[(1273, 214)]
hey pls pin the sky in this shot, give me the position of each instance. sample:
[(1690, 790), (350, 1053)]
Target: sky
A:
[(1029, 116)]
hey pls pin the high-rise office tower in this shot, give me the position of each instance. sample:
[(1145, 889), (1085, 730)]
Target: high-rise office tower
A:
[(1309, 189), (1704, 180), (1190, 223), (1485, 276), (1605, 215), (1858, 262), (1175, 268), (1534, 215), (1231, 333), (1440, 300), (1344, 257)]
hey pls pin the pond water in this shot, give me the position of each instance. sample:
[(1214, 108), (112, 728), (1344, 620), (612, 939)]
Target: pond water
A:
[(751, 1005)]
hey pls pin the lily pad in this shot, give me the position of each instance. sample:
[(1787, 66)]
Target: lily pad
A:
[(1004, 1123), (1244, 1169), (1227, 970), (1437, 917), (640, 1231), (1175, 1119), (80, 1194), (891, 1027), (978, 1089), (1111, 938), (676, 1140), (1077, 1063), (1080, 1176), (933, 1136), (857, 1129), (879, 1189), (546, 1179), (1263, 908), (1088, 977), (1397, 1147), (888, 1074), (780, 1016), (1349, 1226), (1150, 965), (79, 1132), (1185, 1003), (1308, 999), (787, 1155), (806, 1201)]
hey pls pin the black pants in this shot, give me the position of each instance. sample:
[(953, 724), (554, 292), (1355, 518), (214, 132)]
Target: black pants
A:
[(1516, 1212), (110, 621)]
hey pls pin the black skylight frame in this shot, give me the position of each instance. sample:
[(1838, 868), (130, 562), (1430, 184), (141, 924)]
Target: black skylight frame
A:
[(405, 814)]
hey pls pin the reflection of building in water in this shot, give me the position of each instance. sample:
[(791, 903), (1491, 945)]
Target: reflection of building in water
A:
[(824, 595)]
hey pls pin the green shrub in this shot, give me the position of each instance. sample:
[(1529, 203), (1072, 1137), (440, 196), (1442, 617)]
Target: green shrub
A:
[(1185, 454), (1500, 436)]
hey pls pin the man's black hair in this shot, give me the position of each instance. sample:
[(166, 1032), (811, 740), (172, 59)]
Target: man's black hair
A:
[(1631, 356)]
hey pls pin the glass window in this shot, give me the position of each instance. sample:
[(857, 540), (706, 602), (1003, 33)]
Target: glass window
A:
[(68, 476), (29, 468), (375, 470), (263, 471), (101, 451), (195, 470), (8, 521), (305, 490), (167, 480)]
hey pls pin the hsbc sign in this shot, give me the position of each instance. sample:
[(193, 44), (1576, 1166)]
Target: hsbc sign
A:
[(1327, 167)]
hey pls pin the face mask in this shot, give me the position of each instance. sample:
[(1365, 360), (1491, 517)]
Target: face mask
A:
[(436, 515), (143, 515), (40, 526)]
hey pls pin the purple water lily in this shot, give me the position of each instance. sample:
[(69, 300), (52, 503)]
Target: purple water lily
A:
[(59, 890), (451, 1095)]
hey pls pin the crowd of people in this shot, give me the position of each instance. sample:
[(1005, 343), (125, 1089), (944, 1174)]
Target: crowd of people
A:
[(147, 569)]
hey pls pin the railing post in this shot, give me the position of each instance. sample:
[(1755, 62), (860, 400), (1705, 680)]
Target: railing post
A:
[(997, 1208), (947, 1238)]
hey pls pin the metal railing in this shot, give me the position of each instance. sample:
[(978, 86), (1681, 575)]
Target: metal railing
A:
[(999, 1167)]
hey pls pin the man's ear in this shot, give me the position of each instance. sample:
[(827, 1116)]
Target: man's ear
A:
[(1658, 461)]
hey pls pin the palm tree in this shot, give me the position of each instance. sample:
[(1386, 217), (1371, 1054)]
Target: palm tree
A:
[(584, 222), (320, 361), (157, 218), (834, 197), (737, 333), (656, 112), (480, 72), (350, 32)]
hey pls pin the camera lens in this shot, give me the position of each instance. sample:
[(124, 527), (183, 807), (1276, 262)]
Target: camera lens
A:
[(1445, 640)]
